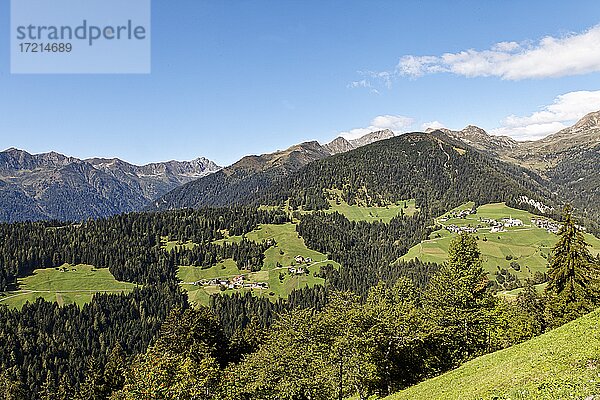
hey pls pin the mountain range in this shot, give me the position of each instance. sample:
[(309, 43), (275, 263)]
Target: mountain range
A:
[(568, 160), (253, 175), (563, 167), (54, 186)]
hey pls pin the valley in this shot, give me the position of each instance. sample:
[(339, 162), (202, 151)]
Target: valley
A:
[(345, 252), (301, 200)]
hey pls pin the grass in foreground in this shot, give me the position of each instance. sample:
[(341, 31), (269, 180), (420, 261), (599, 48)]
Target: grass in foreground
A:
[(561, 364), (65, 285)]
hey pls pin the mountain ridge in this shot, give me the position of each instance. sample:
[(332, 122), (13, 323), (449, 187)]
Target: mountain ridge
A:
[(569, 160), (54, 186), (118, 186), (340, 144), (430, 162), (479, 138)]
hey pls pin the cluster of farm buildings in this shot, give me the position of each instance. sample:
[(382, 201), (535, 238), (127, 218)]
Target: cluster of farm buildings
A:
[(241, 281), (237, 282), (459, 229), (497, 226), (462, 214), (546, 224)]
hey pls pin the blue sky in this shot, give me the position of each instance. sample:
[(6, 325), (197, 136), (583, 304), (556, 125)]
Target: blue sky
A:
[(231, 78)]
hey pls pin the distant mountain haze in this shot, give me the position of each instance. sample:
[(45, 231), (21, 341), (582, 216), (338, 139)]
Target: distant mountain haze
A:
[(54, 186)]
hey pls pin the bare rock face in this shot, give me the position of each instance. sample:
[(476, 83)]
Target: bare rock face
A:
[(372, 138), (339, 145), (155, 179), (54, 186), (342, 145), (480, 139)]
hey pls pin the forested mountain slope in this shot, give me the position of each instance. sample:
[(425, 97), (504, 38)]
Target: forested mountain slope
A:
[(243, 181), (567, 160), (436, 169)]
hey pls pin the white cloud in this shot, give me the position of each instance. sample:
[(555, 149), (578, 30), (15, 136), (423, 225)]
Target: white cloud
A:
[(565, 110), (574, 54), (432, 125), (529, 132), (396, 123), (362, 84), (359, 84), (506, 46)]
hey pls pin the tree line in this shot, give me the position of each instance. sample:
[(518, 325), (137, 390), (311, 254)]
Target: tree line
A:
[(48, 349), (128, 244), (395, 336)]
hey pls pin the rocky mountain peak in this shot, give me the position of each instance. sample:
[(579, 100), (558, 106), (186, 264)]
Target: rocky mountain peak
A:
[(479, 138), (472, 130), (584, 134), (372, 138), (342, 145), (338, 145), (589, 121), (34, 184)]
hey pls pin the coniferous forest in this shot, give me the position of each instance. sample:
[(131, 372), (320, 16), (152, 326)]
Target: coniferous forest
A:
[(377, 324), (375, 327), (300, 200)]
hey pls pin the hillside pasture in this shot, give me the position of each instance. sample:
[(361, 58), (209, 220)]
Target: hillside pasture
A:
[(65, 285), (527, 245), (561, 364), (360, 212), (277, 260)]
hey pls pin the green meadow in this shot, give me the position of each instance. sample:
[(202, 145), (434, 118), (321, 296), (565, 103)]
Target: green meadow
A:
[(527, 245), (370, 214), (277, 260), (65, 285), (560, 364)]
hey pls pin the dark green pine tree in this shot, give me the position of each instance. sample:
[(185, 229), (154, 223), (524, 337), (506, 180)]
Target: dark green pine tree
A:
[(114, 371), (48, 391), (11, 389), (573, 275), (457, 303), (65, 389), (92, 387)]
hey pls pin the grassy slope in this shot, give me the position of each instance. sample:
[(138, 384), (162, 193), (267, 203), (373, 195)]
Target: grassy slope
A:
[(370, 214), (527, 245), (561, 364), (76, 285), (289, 245)]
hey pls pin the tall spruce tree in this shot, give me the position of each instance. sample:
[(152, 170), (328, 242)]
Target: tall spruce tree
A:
[(573, 275), (457, 304)]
